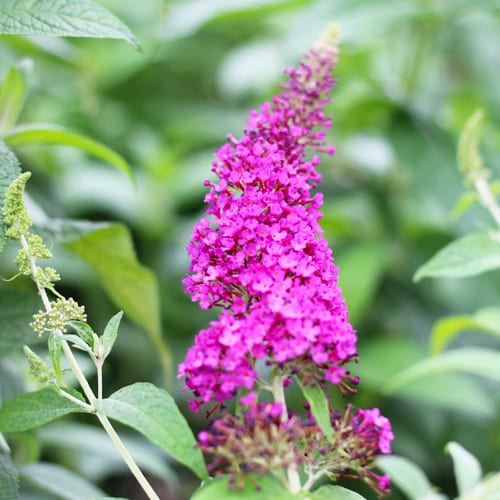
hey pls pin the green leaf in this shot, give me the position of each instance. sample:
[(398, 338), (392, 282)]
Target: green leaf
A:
[(222, 489), (110, 333), (153, 412), (470, 255), (11, 99), (78, 343), (407, 476), (81, 18), (54, 344), (488, 489), (361, 269), (474, 360), (445, 329), (469, 158), (91, 452), (131, 286), (59, 481), (24, 135), (33, 409), (486, 320), (330, 492), (319, 407), (83, 330), (9, 170), (8, 474), (465, 201), (466, 466)]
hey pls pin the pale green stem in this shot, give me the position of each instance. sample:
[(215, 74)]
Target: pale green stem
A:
[(487, 198), (99, 378), (279, 397), (77, 401), (41, 289), (134, 468), (89, 393), (312, 479)]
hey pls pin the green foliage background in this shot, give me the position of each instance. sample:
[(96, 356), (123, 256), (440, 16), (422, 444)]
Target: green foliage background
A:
[(409, 75)]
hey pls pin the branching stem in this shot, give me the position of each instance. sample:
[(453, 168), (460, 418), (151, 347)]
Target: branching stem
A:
[(487, 198)]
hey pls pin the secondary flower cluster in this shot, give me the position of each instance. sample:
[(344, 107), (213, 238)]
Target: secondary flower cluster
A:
[(261, 441), (260, 253)]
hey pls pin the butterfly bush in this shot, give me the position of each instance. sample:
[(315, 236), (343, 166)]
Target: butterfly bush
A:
[(260, 255)]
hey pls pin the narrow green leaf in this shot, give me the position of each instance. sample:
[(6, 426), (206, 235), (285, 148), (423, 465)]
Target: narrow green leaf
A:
[(54, 344), (488, 489), (153, 412), (466, 466), (82, 18), (319, 407), (470, 255), (58, 481), (406, 475), (83, 330), (445, 329), (9, 170), (78, 343), (8, 475), (33, 409), (222, 489), (110, 333), (486, 320), (469, 158), (331, 492), (464, 202), (131, 286), (16, 311), (11, 99), (474, 360), (23, 135)]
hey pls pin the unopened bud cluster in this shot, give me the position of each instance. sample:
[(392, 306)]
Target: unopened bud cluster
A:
[(62, 310)]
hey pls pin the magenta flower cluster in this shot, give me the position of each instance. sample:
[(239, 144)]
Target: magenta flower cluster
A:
[(260, 253)]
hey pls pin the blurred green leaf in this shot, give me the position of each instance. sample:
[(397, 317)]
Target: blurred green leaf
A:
[(486, 320), (220, 488), (92, 452), (466, 466), (24, 135), (9, 170), (467, 256), (330, 492), (110, 333), (474, 360), (16, 311), (488, 489), (130, 285), (11, 99), (319, 407), (360, 271), (408, 477), (464, 202), (153, 412), (81, 18), (8, 474), (383, 359), (58, 481), (33, 409), (469, 158)]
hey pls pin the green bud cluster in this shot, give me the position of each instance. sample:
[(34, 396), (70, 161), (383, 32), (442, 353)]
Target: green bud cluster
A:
[(38, 369), (14, 210), (62, 310)]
